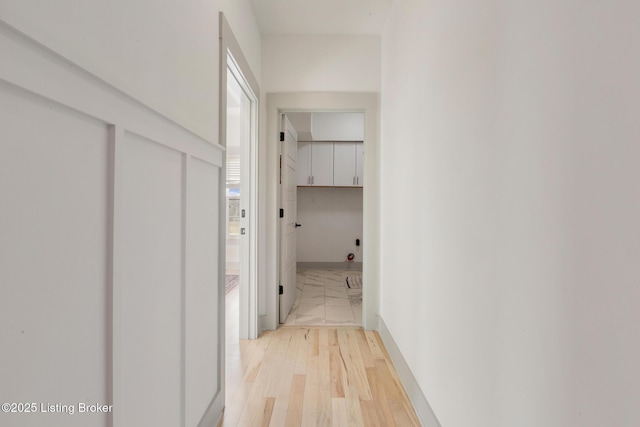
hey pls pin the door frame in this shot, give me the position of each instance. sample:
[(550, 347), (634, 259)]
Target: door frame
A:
[(279, 103), (231, 57)]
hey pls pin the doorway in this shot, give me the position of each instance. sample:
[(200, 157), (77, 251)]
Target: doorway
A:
[(322, 223), (239, 105), (366, 103), (239, 189), (238, 133)]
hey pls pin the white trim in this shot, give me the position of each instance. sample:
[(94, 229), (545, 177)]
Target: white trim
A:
[(409, 382), (214, 413), (114, 327), (98, 99), (186, 163), (229, 46)]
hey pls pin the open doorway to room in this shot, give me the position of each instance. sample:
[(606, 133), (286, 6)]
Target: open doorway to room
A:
[(237, 253), (278, 104), (238, 129), (322, 155), (239, 105), (240, 187)]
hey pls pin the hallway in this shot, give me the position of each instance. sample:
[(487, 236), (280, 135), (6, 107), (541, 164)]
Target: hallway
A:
[(311, 375), (318, 376), (500, 237)]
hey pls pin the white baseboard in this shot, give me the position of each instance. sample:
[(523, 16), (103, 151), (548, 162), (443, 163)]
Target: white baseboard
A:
[(262, 324), (417, 397), (213, 416)]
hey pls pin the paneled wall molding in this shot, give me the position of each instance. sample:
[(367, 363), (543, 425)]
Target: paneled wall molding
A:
[(67, 83), (142, 193)]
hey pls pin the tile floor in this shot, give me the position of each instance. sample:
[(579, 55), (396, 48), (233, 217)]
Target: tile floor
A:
[(323, 298)]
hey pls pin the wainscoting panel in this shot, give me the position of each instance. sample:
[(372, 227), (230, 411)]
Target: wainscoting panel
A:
[(110, 262), (203, 366), (150, 303), (53, 257)]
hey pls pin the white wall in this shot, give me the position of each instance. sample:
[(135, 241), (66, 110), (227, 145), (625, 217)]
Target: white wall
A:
[(510, 148), (331, 221), (165, 54), (297, 63), (110, 214)]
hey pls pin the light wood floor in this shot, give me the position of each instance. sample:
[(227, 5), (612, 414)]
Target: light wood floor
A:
[(315, 376)]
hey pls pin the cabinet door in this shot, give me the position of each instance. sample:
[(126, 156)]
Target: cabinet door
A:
[(303, 169), (359, 163), (344, 164), (337, 126), (322, 163)]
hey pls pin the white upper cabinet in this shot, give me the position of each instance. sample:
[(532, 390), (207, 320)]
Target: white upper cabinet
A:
[(359, 163), (329, 164), (347, 161), (322, 163), (315, 164), (303, 164), (337, 126), (334, 157), (344, 160)]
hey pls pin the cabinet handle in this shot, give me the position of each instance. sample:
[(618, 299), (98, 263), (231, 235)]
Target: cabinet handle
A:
[(357, 180), (313, 179), (353, 182)]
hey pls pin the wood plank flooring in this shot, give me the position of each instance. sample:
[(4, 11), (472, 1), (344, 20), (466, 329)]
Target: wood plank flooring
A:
[(318, 376)]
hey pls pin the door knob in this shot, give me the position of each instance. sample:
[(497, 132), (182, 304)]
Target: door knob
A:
[(298, 225)]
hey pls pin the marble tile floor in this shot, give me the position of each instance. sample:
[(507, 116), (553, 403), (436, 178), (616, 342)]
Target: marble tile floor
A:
[(323, 298)]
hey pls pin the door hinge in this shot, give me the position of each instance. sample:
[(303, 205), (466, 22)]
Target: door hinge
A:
[(280, 290), (281, 136), (281, 213)]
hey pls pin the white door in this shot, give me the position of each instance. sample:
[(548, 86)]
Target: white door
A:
[(289, 202)]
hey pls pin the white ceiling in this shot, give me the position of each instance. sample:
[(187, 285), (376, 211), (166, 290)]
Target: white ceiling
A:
[(321, 16)]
